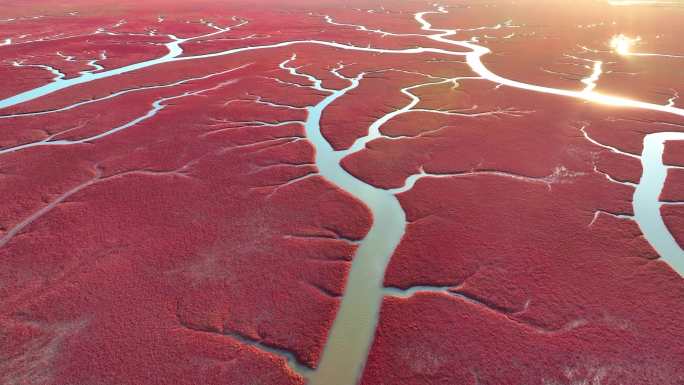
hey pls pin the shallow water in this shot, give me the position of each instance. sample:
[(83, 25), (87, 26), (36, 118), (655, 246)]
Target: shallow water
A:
[(350, 338), (647, 204)]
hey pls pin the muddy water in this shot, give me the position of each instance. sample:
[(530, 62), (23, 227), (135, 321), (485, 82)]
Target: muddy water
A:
[(350, 338), (647, 203)]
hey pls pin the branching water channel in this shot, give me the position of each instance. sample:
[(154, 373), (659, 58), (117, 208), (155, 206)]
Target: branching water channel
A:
[(352, 334)]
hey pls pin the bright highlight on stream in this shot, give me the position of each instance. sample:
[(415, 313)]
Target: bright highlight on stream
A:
[(623, 44)]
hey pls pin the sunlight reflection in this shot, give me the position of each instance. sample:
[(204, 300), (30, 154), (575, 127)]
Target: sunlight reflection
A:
[(623, 44), (609, 100)]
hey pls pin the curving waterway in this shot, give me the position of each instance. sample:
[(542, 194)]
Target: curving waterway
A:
[(347, 348), (350, 338), (646, 200)]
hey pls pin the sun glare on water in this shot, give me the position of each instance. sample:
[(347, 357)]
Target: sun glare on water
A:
[(623, 44)]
